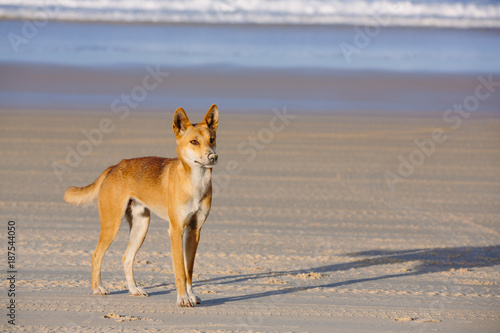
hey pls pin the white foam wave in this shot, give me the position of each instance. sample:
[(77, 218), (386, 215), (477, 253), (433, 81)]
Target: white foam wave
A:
[(418, 13)]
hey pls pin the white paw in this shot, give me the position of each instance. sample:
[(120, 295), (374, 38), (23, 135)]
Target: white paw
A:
[(138, 291), (100, 290), (184, 301), (194, 299)]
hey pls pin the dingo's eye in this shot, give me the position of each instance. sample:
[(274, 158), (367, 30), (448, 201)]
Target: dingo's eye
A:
[(194, 142), (212, 140)]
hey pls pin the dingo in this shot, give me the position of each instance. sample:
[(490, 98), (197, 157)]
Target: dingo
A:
[(178, 190)]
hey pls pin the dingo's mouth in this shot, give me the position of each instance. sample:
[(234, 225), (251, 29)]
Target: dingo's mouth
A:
[(208, 165)]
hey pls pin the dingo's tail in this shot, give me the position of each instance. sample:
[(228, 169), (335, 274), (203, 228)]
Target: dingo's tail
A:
[(85, 195)]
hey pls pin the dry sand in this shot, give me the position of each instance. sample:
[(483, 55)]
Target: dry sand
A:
[(306, 236)]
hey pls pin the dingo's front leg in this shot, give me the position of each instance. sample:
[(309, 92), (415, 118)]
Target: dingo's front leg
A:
[(190, 247), (176, 234)]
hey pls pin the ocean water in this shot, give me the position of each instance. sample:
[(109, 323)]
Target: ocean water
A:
[(329, 47), (296, 39)]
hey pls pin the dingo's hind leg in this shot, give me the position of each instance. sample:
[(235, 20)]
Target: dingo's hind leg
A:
[(138, 216), (111, 214)]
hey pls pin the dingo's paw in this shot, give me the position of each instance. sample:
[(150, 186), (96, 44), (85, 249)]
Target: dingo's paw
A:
[(184, 301), (195, 299), (138, 291), (100, 290)]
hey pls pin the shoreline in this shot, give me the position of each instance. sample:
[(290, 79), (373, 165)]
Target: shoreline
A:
[(255, 25), (36, 86)]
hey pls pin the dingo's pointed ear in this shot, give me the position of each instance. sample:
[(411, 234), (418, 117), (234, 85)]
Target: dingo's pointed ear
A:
[(181, 122), (212, 118)]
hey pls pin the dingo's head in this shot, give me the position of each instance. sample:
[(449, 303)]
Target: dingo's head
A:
[(196, 143)]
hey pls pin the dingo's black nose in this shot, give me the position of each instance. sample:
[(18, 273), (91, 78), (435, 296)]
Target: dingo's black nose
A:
[(212, 157)]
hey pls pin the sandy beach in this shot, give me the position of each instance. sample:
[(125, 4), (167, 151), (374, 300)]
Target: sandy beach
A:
[(358, 183), (305, 234)]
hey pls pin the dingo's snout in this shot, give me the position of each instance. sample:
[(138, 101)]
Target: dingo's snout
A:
[(212, 158)]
